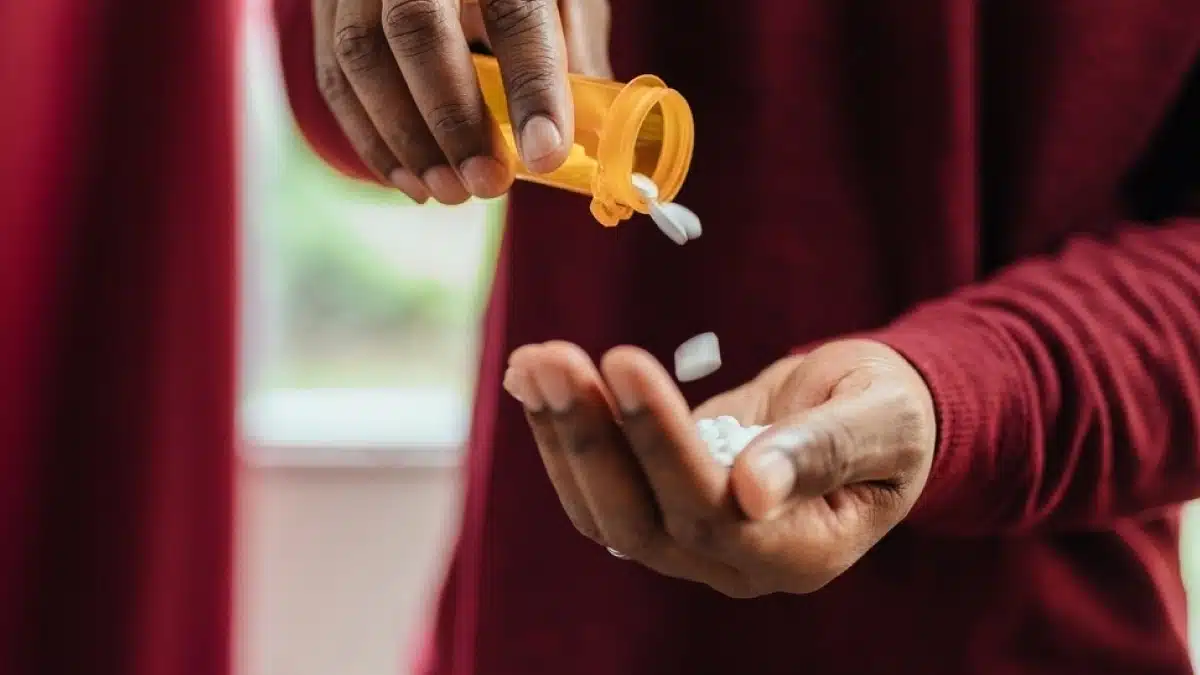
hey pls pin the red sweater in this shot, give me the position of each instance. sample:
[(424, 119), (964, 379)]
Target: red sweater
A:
[(117, 295), (994, 188)]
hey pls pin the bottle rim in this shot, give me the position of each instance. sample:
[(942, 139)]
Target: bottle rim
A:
[(614, 197)]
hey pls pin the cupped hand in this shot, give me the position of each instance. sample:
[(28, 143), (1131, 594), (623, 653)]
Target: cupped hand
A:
[(849, 450), (398, 76)]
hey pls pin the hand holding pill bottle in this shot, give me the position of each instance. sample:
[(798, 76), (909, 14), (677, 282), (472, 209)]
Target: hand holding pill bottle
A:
[(436, 121), (621, 130)]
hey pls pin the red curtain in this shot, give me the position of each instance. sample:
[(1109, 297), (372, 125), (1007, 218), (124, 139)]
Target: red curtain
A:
[(117, 298)]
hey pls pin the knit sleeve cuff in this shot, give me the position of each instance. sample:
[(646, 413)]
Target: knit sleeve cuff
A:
[(969, 388)]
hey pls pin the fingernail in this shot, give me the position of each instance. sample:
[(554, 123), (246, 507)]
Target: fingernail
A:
[(445, 186), (624, 391), (409, 184), (554, 387), (776, 474), (517, 384), (539, 139), (485, 177)]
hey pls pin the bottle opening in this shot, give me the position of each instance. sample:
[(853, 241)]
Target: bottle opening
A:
[(649, 131), (663, 149)]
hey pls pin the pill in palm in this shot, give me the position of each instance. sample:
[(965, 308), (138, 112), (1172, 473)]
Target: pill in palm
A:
[(698, 357), (726, 438)]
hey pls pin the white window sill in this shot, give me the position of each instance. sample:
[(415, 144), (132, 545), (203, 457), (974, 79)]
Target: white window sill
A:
[(396, 456), (356, 428)]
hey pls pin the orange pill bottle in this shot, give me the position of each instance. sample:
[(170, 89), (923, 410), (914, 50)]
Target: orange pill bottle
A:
[(620, 129)]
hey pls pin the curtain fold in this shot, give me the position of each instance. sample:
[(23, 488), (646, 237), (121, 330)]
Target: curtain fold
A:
[(118, 264)]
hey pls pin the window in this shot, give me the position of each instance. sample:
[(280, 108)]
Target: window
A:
[(361, 309)]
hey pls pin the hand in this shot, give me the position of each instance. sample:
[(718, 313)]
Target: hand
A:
[(397, 75), (848, 453)]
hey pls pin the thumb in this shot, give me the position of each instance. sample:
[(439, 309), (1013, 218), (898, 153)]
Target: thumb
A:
[(814, 453)]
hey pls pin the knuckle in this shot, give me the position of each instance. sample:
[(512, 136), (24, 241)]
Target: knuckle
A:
[(826, 460), (633, 541), (453, 119), (332, 83), (414, 27), (909, 417), (910, 426), (512, 18), (533, 78), (584, 439), (357, 46)]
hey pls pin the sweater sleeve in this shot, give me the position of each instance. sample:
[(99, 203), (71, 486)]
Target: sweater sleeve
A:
[(294, 27), (1067, 389)]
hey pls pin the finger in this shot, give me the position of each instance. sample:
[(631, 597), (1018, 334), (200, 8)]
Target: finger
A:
[(607, 473), (591, 444), (367, 63), (526, 37), (347, 110), (428, 44), (519, 382), (847, 440), (688, 485), (586, 27)]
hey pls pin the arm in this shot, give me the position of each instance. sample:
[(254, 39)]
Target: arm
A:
[(1067, 389)]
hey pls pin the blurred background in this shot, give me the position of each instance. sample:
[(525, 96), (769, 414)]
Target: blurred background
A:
[(359, 347), (359, 357)]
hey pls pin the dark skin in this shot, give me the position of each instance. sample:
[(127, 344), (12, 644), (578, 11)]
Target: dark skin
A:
[(398, 77), (850, 448)]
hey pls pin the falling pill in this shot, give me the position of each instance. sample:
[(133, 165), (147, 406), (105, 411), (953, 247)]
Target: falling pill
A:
[(698, 357), (678, 222), (666, 224), (684, 219)]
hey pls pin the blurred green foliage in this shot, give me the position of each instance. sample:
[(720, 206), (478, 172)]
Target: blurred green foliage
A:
[(334, 280)]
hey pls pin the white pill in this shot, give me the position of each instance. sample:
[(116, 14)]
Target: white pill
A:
[(645, 187), (698, 357), (669, 227), (725, 438), (683, 219)]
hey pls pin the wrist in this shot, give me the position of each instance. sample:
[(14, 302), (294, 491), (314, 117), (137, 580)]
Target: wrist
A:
[(949, 355)]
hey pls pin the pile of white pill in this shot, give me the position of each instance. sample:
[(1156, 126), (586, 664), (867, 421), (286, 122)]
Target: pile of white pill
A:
[(676, 221), (726, 437), (699, 357)]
